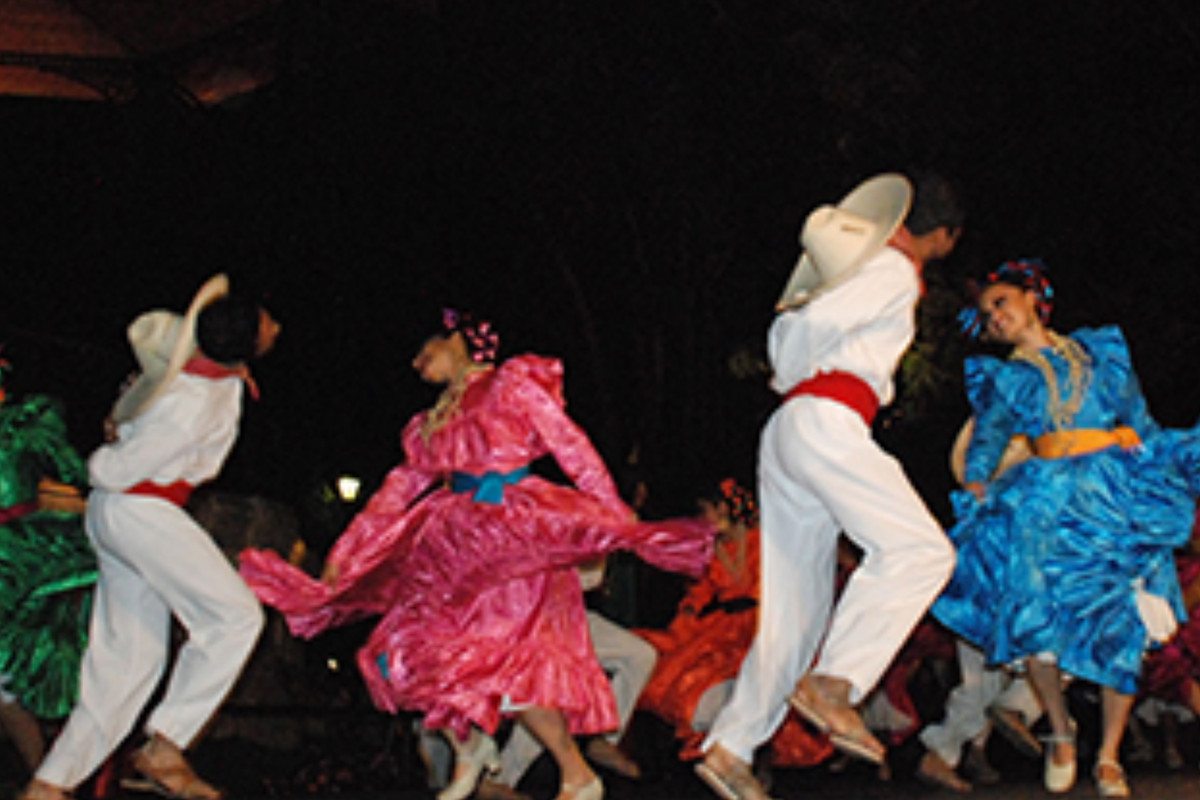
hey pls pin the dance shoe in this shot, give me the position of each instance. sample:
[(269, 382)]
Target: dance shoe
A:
[(824, 702), (592, 790), (1110, 779), (172, 778), (976, 767), (1058, 778), (729, 777), (494, 790), (603, 753), (1012, 727), (933, 770), (469, 766), (40, 790)]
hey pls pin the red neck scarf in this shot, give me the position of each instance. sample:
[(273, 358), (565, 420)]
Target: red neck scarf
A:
[(902, 240), (205, 367)]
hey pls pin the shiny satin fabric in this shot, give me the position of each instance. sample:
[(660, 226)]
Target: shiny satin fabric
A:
[(47, 566), (480, 601), (1047, 562), (704, 645)]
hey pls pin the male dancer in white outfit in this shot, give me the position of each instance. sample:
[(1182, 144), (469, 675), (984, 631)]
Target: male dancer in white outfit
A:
[(174, 428), (846, 318), (985, 696)]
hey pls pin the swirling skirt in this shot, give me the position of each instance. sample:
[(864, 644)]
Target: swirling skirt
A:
[(1047, 563), (47, 569)]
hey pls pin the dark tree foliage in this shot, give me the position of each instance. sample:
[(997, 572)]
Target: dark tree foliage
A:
[(619, 184)]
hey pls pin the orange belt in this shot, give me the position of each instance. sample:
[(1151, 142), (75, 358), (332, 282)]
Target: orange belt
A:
[(1060, 444), (177, 492)]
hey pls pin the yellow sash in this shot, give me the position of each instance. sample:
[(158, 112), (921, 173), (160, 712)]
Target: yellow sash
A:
[(1059, 444)]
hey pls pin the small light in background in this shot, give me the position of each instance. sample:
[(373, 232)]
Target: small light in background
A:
[(332, 664), (347, 488)]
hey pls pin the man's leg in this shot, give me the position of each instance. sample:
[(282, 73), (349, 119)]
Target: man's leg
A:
[(907, 559), (799, 548), (124, 659), (223, 620), (966, 708)]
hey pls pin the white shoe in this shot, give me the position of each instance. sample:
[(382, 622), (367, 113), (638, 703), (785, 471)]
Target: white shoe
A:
[(469, 767), (1058, 778), (1110, 787)]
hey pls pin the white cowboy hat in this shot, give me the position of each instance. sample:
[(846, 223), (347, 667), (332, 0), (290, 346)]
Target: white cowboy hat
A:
[(1017, 450), (162, 342), (837, 241)]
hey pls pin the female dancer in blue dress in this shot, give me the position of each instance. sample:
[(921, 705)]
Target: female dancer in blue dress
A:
[(1065, 559)]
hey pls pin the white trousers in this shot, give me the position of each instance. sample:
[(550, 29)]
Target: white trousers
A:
[(821, 474), (979, 686), (155, 562)]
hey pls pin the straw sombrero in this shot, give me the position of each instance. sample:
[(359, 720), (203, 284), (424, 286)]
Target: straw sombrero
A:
[(162, 342), (837, 241)]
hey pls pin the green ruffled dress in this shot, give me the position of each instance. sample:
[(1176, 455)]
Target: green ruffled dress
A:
[(47, 566)]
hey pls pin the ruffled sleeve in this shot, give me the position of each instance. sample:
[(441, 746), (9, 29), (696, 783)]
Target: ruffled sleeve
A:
[(994, 422), (1123, 390), (534, 384)]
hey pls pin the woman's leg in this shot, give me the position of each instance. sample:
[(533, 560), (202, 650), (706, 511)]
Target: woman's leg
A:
[(1115, 710), (550, 726), (1046, 680)]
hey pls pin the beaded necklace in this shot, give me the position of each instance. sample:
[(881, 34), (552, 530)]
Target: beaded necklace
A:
[(1079, 377), (447, 403)]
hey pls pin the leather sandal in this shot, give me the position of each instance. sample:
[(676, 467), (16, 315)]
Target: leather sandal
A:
[(736, 782), (837, 719), (174, 781)]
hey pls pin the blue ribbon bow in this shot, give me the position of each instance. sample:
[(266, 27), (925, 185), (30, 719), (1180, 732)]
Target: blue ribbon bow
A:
[(488, 487)]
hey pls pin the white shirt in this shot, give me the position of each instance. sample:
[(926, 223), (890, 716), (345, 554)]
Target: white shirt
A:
[(861, 326), (185, 435)]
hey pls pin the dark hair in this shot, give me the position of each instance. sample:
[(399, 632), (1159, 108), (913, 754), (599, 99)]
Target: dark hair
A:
[(227, 329), (936, 204), (740, 500)]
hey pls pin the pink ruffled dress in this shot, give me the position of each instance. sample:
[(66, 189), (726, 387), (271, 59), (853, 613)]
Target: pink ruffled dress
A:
[(471, 562)]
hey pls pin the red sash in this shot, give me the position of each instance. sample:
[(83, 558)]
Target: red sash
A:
[(177, 492), (10, 513), (844, 387)]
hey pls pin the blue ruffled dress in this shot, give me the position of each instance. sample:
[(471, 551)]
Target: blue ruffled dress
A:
[(1048, 561)]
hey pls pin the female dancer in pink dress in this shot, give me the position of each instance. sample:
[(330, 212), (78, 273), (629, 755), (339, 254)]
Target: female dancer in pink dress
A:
[(470, 558)]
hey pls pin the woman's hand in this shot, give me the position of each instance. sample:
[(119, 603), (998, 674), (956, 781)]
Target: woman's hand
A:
[(330, 574), (978, 489)]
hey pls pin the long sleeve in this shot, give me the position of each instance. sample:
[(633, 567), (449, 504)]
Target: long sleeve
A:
[(862, 326), (569, 445), (184, 436), (1131, 403), (995, 422)]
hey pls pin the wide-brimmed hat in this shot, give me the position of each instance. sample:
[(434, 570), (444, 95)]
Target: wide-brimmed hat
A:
[(838, 240), (162, 342), (1017, 450)]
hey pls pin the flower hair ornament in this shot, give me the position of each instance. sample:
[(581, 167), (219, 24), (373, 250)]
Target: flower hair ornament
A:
[(1025, 273), (480, 337), (742, 507)]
